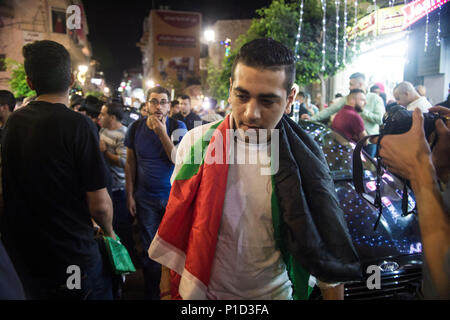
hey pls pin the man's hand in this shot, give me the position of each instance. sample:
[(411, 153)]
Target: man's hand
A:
[(441, 150), (102, 146), (305, 116), (131, 205), (157, 125), (404, 154)]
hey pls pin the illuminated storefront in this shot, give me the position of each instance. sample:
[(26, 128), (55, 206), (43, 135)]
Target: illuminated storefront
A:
[(394, 49)]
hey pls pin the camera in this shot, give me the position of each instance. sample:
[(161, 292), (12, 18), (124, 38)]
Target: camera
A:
[(398, 120)]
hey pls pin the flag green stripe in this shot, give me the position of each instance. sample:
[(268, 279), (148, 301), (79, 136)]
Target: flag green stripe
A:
[(190, 168)]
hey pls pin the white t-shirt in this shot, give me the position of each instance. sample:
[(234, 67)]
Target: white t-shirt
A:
[(422, 103), (247, 264)]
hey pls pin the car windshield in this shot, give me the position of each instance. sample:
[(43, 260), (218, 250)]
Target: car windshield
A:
[(395, 234)]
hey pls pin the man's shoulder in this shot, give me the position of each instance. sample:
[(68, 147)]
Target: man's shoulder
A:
[(196, 133)]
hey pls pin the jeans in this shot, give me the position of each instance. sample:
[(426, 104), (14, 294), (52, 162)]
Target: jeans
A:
[(371, 149), (95, 284), (123, 222), (149, 213)]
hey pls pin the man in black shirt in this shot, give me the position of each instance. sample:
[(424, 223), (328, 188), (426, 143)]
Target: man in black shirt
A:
[(186, 115), (53, 184)]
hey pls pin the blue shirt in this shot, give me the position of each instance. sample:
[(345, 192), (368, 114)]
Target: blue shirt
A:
[(153, 167)]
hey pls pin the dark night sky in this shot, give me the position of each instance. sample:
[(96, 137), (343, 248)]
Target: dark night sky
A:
[(116, 26)]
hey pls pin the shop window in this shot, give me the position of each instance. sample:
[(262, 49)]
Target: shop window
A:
[(58, 20)]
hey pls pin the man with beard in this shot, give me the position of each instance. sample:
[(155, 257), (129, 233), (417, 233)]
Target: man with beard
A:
[(347, 121), (150, 142)]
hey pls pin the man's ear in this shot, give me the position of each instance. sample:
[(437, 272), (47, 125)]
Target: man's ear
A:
[(229, 91), (30, 84), (290, 101), (72, 79)]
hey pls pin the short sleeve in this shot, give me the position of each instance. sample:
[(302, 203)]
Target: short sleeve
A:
[(129, 142), (357, 125), (179, 133), (88, 158)]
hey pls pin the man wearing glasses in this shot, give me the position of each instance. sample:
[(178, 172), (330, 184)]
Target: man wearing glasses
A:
[(150, 144)]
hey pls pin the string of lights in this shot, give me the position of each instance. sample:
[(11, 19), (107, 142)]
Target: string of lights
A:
[(438, 34), (337, 4), (426, 34), (355, 26), (299, 31), (324, 30)]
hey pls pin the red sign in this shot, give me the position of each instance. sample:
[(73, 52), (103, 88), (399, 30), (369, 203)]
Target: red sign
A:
[(417, 9), (180, 20)]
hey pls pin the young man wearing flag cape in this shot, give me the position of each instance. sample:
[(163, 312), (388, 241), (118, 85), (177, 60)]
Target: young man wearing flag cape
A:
[(257, 228)]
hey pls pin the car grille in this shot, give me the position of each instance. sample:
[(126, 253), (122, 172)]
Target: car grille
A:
[(404, 284)]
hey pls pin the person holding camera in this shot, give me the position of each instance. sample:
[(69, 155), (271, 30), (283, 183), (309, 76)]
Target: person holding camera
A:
[(409, 156)]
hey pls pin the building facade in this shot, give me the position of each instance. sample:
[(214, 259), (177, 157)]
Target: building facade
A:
[(170, 48), (25, 21)]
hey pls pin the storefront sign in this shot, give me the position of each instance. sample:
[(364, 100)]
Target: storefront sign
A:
[(31, 36), (383, 21), (417, 9)]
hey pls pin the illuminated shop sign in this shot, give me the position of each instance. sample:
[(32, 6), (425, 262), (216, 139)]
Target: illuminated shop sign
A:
[(417, 9)]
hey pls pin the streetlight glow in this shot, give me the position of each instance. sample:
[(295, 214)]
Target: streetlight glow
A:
[(209, 35)]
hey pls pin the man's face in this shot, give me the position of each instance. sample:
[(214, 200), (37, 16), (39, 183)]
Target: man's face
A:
[(360, 102), (176, 109), (258, 98), (185, 106), (356, 83), (300, 99), (104, 118), (401, 98), (143, 111), (158, 104)]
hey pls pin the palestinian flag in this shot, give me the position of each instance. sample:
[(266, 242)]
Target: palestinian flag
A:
[(187, 236)]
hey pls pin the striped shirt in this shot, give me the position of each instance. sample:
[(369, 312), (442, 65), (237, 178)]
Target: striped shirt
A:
[(114, 140)]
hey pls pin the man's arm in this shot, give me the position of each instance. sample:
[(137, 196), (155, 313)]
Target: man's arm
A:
[(101, 209), (374, 111), (332, 292), (164, 284), (328, 112), (130, 178), (409, 156)]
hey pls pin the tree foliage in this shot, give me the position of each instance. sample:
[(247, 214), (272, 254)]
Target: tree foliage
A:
[(280, 21), (18, 82)]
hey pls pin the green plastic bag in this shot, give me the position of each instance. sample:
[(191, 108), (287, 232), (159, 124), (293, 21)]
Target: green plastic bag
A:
[(118, 256)]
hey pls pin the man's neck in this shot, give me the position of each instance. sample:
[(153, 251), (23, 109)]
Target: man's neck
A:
[(54, 98), (116, 125), (185, 115)]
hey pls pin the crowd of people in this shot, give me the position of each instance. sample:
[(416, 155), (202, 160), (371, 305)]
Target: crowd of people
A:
[(75, 169)]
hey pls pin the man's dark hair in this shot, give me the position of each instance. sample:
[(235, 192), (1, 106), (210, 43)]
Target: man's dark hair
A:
[(185, 97), (267, 54), (76, 100), (7, 98), (158, 90), (142, 105), (174, 103), (358, 75), (301, 94), (47, 64), (374, 87), (355, 91), (115, 109)]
